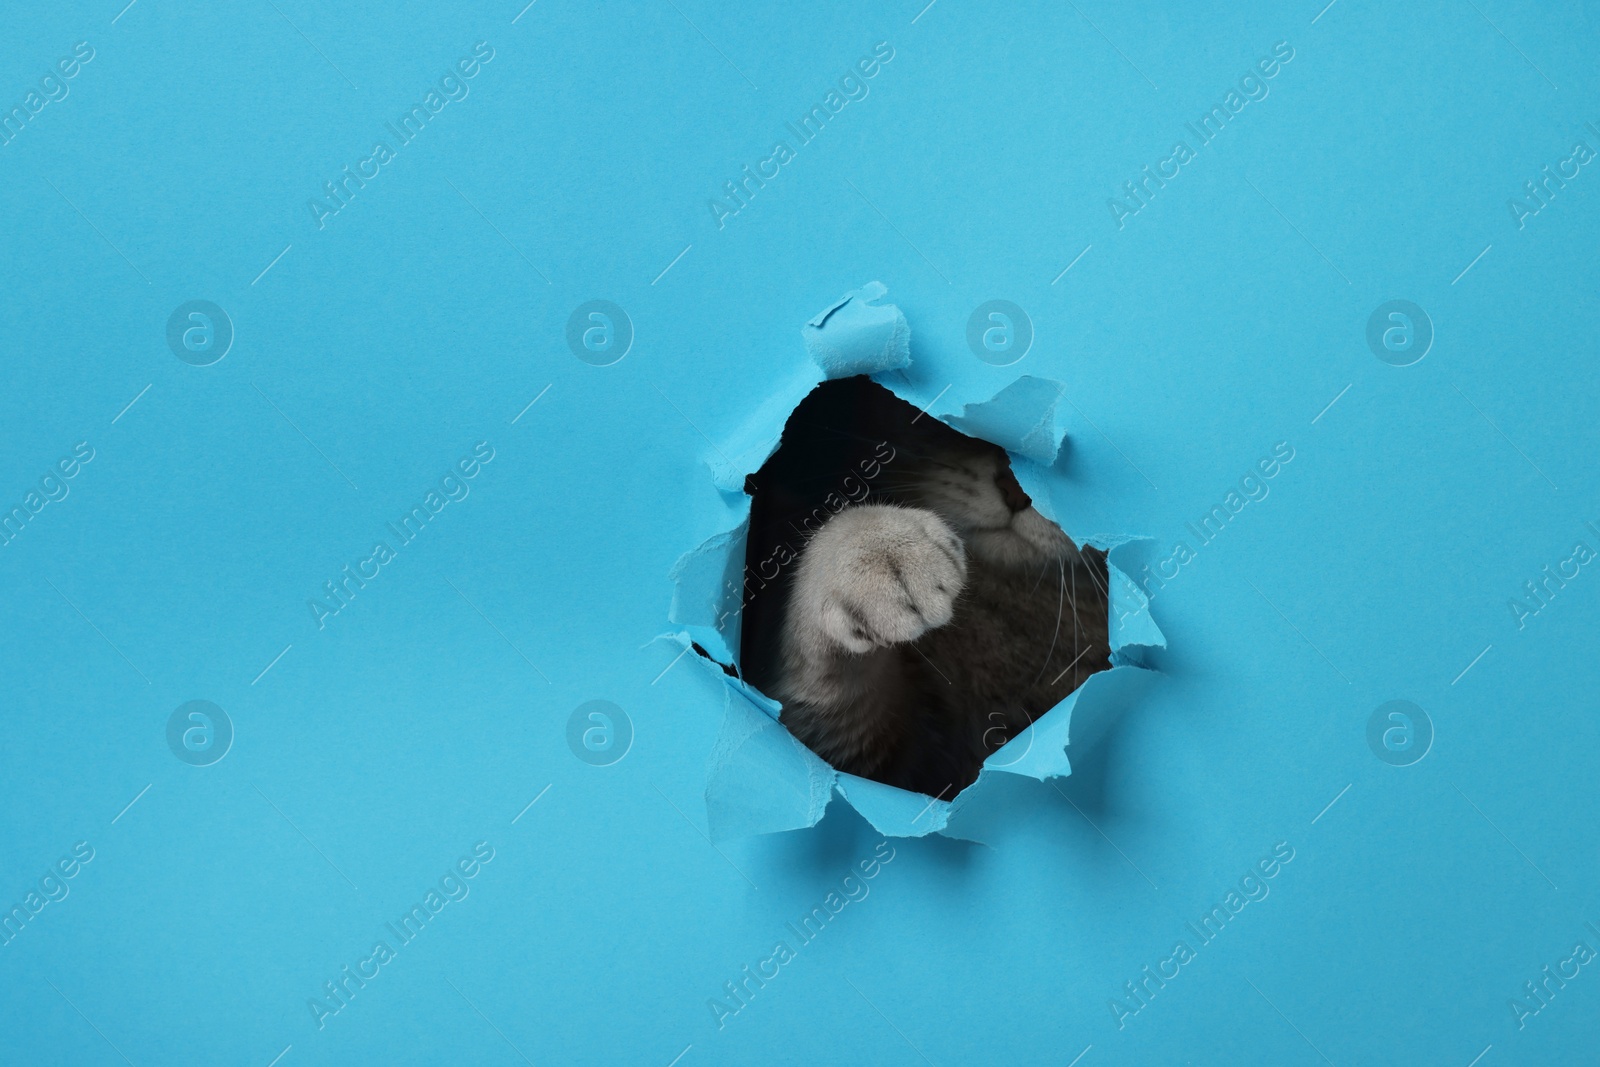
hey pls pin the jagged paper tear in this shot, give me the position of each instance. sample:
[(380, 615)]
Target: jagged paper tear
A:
[(1021, 418), (759, 779), (854, 336)]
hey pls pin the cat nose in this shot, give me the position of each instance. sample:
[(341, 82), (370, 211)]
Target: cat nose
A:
[(1011, 491)]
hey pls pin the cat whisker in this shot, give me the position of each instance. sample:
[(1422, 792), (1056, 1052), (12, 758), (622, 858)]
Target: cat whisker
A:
[(1077, 628), (1094, 576), (1039, 579), (1060, 603)]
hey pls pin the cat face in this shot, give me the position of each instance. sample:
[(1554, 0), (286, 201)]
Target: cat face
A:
[(969, 484)]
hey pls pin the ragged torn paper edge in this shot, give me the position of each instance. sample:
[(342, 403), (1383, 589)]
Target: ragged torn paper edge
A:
[(759, 778)]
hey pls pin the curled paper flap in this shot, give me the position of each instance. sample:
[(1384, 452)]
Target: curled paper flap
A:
[(980, 812), (894, 812), (707, 593), (1021, 418), (759, 778), (854, 336), (1129, 620)]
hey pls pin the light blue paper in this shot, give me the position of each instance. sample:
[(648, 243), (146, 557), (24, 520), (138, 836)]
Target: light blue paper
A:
[(855, 335), (751, 786), (369, 319)]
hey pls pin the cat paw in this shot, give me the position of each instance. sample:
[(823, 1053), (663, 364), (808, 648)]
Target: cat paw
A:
[(880, 575)]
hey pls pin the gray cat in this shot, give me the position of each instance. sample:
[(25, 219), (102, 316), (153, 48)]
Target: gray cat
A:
[(937, 618)]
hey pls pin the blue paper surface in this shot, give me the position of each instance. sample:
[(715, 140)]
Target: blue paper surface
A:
[(342, 489)]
